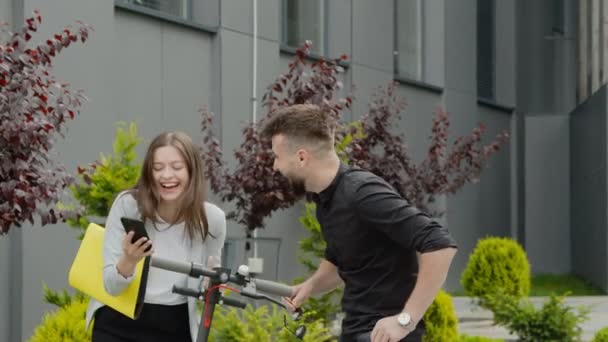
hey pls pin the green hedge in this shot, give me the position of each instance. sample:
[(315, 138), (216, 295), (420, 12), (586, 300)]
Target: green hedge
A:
[(554, 321), (601, 335), (497, 265), (262, 324), (64, 324), (440, 319)]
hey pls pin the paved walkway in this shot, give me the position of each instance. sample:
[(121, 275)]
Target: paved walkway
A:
[(475, 321)]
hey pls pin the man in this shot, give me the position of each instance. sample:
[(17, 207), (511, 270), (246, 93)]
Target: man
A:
[(392, 258)]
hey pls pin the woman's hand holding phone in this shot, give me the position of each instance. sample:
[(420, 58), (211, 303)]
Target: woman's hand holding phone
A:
[(132, 253)]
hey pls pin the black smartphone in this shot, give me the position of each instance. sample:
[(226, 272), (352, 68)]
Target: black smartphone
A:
[(137, 226)]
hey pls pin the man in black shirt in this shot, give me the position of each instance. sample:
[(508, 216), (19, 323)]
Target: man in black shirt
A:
[(392, 258)]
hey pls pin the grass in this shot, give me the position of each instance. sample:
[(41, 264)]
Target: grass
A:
[(545, 284)]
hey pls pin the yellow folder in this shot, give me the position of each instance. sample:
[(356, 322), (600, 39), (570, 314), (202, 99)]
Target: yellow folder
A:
[(86, 275)]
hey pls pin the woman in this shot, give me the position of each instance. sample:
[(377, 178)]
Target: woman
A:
[(170, 198)]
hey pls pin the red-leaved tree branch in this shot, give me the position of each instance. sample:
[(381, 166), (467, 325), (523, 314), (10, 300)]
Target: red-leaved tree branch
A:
[(444, 170), (34, 109), (256, 189)]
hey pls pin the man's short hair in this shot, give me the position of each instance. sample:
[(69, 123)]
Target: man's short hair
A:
[(302, 124)]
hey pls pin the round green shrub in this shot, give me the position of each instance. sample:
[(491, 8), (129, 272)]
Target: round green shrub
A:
[(601, 335), (497, 265), (440, 319), (263, 324), (65, 324)]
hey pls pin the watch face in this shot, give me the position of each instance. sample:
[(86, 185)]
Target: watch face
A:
[(404, 318)]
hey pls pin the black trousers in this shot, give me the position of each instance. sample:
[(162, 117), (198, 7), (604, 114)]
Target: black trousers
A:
[(156, 323), (414, 336)]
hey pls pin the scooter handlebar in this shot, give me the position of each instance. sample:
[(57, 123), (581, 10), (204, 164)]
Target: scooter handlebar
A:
[(197, 270)]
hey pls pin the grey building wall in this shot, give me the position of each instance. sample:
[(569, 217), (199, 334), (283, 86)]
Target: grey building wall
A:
[(494, 187), (434, 42), (589, 186), (372, 58), (158, 73), (479, 209), (460, 100), (339, 27), (545, 60), (5, 286), (545, 94), (6, 8), (547, 225), (482, 209), (506, 52)]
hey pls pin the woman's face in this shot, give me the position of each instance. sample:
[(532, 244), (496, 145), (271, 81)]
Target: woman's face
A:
[(170, 173)]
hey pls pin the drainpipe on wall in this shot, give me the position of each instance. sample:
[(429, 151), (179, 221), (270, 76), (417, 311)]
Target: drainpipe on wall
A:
[(256, 264)]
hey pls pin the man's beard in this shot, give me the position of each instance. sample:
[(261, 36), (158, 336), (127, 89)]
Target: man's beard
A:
[(297, 186)]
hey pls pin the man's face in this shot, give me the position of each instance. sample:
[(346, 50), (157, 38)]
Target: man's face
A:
[(288, 163)]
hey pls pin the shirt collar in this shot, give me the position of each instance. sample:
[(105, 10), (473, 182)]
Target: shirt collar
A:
[(327, 193)]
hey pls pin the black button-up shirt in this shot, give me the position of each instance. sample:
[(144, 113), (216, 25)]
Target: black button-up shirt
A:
[(372, 236)]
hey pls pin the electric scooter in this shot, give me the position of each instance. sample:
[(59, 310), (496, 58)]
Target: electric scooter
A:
[(220, 278)]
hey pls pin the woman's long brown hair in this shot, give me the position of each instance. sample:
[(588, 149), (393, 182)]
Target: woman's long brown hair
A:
[(192, 201)]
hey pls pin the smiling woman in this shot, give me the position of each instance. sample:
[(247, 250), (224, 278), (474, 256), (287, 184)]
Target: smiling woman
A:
[(170, 198)]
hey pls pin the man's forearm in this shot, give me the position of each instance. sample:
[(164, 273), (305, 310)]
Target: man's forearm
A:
[(325, 279), (432, 272)]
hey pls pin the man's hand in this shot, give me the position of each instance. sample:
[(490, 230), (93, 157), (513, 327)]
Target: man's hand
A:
[(326, 278), (389, 330), (300, 293)]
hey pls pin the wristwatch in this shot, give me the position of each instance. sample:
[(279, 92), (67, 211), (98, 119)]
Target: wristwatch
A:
[(404, 319)]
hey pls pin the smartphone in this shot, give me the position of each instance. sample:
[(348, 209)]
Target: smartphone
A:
[(137, 226)]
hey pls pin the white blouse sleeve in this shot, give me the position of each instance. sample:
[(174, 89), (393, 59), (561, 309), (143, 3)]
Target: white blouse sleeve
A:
[(114, 282)]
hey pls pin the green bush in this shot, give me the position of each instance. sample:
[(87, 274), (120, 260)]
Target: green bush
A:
[(440, 319), (601, 335), (97, 187), (466, 338), (343, 146), (262, 324), (63, 298), (65, 324), (100, 182), (497, 265), (554, 321)]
